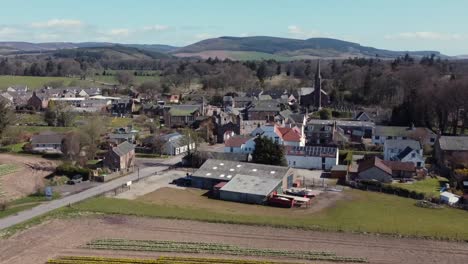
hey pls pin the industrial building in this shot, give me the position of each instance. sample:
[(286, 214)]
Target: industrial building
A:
[(312, 157), (241, 181)]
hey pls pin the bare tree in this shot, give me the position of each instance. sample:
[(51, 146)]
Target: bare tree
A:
[(124, 78)]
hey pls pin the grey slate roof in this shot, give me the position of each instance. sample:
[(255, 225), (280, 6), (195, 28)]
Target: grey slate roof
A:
[(453, 143), (123, 148), (402, 144), (226, 170), (47, 138)]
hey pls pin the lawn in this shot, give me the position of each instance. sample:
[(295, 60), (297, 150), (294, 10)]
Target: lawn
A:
[(38, 129), (111, 79), (430, 186), (15, 148), (365, 212), (25, 203), (35, 82)]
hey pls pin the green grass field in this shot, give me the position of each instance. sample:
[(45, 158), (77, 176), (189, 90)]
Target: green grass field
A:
[(430, 186), (34, 82), (7, 169), (366, 212), (253, 55), (15, 148)]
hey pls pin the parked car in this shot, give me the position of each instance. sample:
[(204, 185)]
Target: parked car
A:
[(300, 192), (75, 179)]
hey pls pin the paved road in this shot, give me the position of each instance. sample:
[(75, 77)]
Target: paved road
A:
[(95, 191)]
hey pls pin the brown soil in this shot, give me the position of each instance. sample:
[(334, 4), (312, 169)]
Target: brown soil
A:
[(28, 179), (196, 198), (63, 237)]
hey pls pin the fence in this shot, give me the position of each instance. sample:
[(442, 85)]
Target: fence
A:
[(111, 176)]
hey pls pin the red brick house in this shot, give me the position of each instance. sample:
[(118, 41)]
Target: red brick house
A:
[(121, 157)]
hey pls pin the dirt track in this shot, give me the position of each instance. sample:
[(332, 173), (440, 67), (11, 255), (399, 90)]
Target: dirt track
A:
[(63, 237), (28, 179)]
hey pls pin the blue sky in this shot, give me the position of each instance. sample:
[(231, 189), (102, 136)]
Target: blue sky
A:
[(391, 24)]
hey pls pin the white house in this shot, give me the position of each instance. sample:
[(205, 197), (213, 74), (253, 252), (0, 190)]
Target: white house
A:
[(239, 144), (174, 144), (285, 136), (312, 157), (406, 150), (422, 134), (47, 142)]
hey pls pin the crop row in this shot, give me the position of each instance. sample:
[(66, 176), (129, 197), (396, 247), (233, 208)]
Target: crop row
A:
[(207, 248), (160, 260)]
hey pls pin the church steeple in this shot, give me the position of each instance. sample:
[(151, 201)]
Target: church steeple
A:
[(318, 88)]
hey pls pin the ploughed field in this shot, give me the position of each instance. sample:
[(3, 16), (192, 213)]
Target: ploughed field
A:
[(148, 239)]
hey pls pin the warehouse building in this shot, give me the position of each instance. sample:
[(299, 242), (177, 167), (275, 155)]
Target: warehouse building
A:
[(243, 182)]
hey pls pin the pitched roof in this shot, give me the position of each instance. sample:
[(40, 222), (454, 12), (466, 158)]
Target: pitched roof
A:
[(183, 110), (47, 138), (237, 141), (404, 153), (400, 166), (395, 131), (402, 144), (312, 151), (373, 162), (288, 134), (123, 148), (453, 143)]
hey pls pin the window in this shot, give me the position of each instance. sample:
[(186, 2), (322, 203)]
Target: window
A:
[(232, 149), (389, 137), (294, 163), (377, 137), (413, 155), (432, 140)]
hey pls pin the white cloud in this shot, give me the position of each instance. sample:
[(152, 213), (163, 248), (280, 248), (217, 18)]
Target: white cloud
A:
[(58, 23), (426, 35), (46, 37), (203, 36), (8, 32), (299, 32), (156, 28), (121, 32)]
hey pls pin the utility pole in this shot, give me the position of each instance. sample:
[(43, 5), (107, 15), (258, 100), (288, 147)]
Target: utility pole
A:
[(138, 168)]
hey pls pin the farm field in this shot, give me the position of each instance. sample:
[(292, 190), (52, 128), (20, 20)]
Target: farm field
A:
[(27, 177), (35, 82), (159, 260), (359, 212), (69, 241)]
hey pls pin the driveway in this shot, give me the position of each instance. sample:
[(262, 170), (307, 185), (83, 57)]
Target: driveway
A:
[(92, 192)]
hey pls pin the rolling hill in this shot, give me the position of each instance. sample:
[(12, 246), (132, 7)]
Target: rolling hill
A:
[(236, 48), (116, 52), (232, 47)]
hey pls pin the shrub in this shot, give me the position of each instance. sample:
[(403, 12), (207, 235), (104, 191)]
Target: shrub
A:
[(70, 170)]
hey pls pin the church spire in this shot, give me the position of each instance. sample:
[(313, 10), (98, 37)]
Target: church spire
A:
[(318, 88)]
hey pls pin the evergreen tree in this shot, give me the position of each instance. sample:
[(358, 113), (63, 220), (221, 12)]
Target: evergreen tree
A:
[(268, 152)]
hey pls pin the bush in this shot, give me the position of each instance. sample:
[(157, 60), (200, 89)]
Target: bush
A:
[(70, 170)]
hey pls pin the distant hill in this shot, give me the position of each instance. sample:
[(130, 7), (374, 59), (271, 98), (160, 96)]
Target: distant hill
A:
[(115, 52), (237, 48), (27, 47), (289, 48)]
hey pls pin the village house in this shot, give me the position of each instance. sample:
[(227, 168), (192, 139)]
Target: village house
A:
[(263, 110), (285, 136), (181, 115), (175, 145), (452, 151), (239, 144), (122, 107), (405, 150), (227, 125), (38, 102), (121, 157), (47, 142), (422, 134), (374, 169), (121, 135), (401, 170), (312, 157)]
